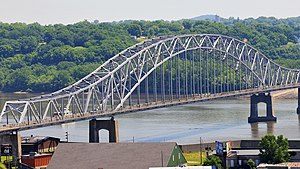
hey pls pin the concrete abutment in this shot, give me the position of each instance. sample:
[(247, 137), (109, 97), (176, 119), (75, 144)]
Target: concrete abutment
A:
[(261, 98), (110, 125)]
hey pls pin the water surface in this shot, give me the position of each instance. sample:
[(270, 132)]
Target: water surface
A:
[(214, 120)]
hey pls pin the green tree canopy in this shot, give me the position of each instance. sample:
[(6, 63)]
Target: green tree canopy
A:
[(251, 163), (274, 150), (213, 160), (36, 58), (135, 30)]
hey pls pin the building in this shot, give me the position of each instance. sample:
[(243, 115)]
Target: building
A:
[(241, 156), (287, 165), (249, 149), (39, 144), (243, 150), (38, 161), (116, 155)]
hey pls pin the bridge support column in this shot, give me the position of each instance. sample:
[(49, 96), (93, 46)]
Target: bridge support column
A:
[(11, 142), (298, 108), (110, 125), (258, 98)]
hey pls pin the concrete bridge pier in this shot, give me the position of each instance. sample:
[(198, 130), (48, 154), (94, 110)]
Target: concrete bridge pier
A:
[(258, 98), (11, 142), (298, 108), (110, 125)]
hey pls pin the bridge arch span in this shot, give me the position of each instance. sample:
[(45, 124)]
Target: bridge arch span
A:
[(160, 69)]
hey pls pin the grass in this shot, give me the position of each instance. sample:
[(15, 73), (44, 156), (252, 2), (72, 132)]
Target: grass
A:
[(2, 166), (6, 158), (193, 158)]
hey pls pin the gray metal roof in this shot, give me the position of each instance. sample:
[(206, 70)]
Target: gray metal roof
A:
[(111, 155)]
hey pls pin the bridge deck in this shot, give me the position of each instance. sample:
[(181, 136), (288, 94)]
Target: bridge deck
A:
[(142, 107)]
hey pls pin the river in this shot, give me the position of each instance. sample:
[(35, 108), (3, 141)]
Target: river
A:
[(213, 120)]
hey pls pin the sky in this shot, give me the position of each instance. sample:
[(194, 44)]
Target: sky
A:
[(71, 11)]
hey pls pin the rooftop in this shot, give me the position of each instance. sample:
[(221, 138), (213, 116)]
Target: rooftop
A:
[(35, 139), (111, 155), (287, 164)]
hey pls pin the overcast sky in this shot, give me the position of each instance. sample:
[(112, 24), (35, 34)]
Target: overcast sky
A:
[(71, 11)]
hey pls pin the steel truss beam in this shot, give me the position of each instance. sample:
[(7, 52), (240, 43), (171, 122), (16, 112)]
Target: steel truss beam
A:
[(178, 67)]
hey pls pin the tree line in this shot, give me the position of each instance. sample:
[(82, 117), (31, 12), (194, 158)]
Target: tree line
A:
[(39, 58)]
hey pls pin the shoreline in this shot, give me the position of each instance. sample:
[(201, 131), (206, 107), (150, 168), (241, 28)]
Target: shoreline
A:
[(286, 94)]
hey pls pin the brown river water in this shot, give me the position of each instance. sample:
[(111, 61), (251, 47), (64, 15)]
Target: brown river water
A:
[(213, 120)]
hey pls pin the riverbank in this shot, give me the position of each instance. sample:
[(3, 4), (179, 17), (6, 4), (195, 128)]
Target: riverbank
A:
[(286, 94), (281, 94)]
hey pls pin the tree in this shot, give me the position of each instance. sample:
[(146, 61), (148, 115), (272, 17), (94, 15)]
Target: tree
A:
[(135, 30), (6, 50), (18, 80), (187, 24), (274, 150), (74, 48), (28, 44), (213, 160), (62, 79), (251, 164)]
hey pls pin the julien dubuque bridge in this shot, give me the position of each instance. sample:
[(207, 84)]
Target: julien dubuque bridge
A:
[(161, 72)]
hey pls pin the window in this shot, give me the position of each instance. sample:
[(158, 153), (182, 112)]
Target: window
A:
[(231, 163), (179, 156), (173, 158), (256, 162)]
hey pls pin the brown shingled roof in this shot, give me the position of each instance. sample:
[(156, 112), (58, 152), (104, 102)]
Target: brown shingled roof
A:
[(110, 155)]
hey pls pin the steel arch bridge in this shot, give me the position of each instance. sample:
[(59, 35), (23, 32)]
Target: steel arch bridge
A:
[(167, 70)]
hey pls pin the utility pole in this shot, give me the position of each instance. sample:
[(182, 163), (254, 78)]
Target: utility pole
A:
[(200, 151), (162, 158), (67, 136)]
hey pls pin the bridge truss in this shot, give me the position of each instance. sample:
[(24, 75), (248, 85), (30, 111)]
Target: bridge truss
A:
[(162, 69)]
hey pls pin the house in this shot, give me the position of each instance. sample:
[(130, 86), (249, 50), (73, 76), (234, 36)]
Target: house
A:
[(34, 160), (116, 155), (39, 144)]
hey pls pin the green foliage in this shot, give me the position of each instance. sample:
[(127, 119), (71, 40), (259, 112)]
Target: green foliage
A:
[(45, 58), (187, 24), (135, 30), (251, 163), (274, 150), (2, 166), (213, 160)]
